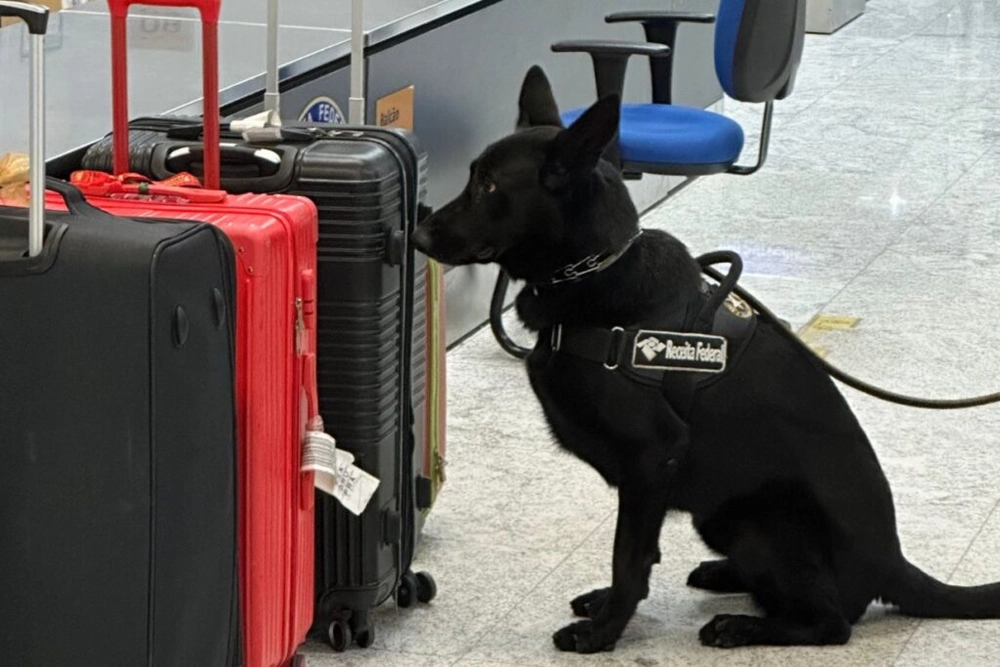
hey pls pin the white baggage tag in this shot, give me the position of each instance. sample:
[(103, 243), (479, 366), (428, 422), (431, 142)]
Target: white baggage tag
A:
[(319, 455), (336, 473), (355, 487)]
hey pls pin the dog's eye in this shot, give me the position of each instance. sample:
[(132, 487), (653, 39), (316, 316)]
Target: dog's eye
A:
[(489, 187)]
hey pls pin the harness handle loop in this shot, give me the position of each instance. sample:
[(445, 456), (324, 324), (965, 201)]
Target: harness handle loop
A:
[(706, 316)]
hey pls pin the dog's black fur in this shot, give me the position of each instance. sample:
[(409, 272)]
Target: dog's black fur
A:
[(778, 476)]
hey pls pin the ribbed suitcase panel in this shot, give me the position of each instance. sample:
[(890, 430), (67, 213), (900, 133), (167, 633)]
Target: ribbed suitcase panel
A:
[(359, 363)]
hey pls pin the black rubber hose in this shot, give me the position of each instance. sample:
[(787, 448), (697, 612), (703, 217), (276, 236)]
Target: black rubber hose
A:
[(496, 319), (850, 380)]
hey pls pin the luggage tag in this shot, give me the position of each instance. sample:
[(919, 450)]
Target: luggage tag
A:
[(335, 471)]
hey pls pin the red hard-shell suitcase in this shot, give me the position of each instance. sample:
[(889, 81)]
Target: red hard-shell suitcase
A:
[(118, 447), (275, 238), (380, 330)]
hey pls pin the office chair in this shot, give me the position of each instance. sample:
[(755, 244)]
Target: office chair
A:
[(758, 47)]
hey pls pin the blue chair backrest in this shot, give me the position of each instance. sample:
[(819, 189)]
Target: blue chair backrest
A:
[(758, 46)]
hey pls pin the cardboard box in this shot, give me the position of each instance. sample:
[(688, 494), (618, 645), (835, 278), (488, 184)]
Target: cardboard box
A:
[(53, 5)]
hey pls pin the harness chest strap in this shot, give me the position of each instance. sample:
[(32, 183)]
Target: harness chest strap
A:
[(644, 355), (649, 356)]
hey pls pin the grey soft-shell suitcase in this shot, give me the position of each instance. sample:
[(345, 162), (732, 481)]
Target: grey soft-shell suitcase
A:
[(117, 432)]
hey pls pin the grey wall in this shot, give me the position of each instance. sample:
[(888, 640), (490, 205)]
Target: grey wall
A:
[(467, 75)]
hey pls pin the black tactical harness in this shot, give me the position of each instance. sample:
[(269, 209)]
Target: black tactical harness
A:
[(680, 356)]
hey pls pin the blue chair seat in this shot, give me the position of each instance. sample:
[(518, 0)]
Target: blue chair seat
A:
[(668, 134)]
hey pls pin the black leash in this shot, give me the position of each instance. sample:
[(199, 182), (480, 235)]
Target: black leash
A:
[(728, 284), (728, 281)]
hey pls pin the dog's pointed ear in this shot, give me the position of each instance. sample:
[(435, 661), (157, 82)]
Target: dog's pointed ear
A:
[(537, 105), (578, 148)]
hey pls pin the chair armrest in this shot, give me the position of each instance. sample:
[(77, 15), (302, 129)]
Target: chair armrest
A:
[(610, 59), (611, 48), (661, 28), (660, 17)]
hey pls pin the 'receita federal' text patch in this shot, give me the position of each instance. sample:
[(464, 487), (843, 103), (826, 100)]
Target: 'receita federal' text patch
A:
[(672, 351)]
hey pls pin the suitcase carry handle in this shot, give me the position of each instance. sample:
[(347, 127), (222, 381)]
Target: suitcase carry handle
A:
[(268, 162), (37, 18), (209, 10), (76, 202)]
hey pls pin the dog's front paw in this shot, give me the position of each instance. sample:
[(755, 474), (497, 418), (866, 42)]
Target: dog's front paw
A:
[(584, 637), (589, 605), (728, 631)]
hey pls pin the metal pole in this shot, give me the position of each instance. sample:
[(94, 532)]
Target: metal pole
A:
[(356, 107), (272, 99), (36, 140)]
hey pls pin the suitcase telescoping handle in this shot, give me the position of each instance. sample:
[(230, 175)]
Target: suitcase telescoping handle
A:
[(356, 103), (37, 18), (209, 10)]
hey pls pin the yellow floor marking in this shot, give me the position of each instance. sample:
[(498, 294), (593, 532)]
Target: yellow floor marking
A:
[(818, 325)]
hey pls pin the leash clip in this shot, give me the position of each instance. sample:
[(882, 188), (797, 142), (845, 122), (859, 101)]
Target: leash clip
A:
[(556, 339)]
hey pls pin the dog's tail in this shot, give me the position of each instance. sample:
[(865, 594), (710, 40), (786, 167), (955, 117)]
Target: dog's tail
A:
[(917, 593)]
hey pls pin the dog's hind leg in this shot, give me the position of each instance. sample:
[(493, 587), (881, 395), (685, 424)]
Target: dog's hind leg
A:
[(641, 509), (790, 577), (717, 576)]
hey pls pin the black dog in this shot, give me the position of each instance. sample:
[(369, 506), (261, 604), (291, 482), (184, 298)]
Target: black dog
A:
[(680, 403)]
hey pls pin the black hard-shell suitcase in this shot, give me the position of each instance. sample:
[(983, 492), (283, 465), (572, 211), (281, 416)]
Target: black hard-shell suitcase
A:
[(117, 433), (369, 184)]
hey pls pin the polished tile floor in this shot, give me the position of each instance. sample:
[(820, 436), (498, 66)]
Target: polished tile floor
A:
[(881, 201)]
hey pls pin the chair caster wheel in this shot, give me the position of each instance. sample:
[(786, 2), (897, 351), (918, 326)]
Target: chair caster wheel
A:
[(426, 588)]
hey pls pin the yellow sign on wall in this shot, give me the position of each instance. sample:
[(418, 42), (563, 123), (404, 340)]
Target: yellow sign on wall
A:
[(396, 109)]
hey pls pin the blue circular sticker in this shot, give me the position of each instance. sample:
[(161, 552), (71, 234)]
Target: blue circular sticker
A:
[(323, 110)]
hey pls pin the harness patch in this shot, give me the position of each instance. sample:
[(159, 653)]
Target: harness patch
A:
[(737, 306), (672, 351)]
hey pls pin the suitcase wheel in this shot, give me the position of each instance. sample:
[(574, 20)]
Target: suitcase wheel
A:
[(339, 634), (406, 593), (427, 590), (418, 587), (365, 637)]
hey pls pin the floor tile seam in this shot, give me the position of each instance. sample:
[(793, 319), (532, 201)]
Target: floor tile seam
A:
[(975, 537), (936, 17), (919, 623), (906, 642), (479, 639), (868, 65), (798, 114), (916, 222)]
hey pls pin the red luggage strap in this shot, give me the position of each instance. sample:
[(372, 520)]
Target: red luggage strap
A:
[(180, 187)]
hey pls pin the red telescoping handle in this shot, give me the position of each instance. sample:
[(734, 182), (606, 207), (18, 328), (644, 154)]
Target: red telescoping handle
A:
[(210, 80)]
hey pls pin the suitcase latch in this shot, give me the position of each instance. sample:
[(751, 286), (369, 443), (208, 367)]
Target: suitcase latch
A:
[(305, 311), (300, 328)]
